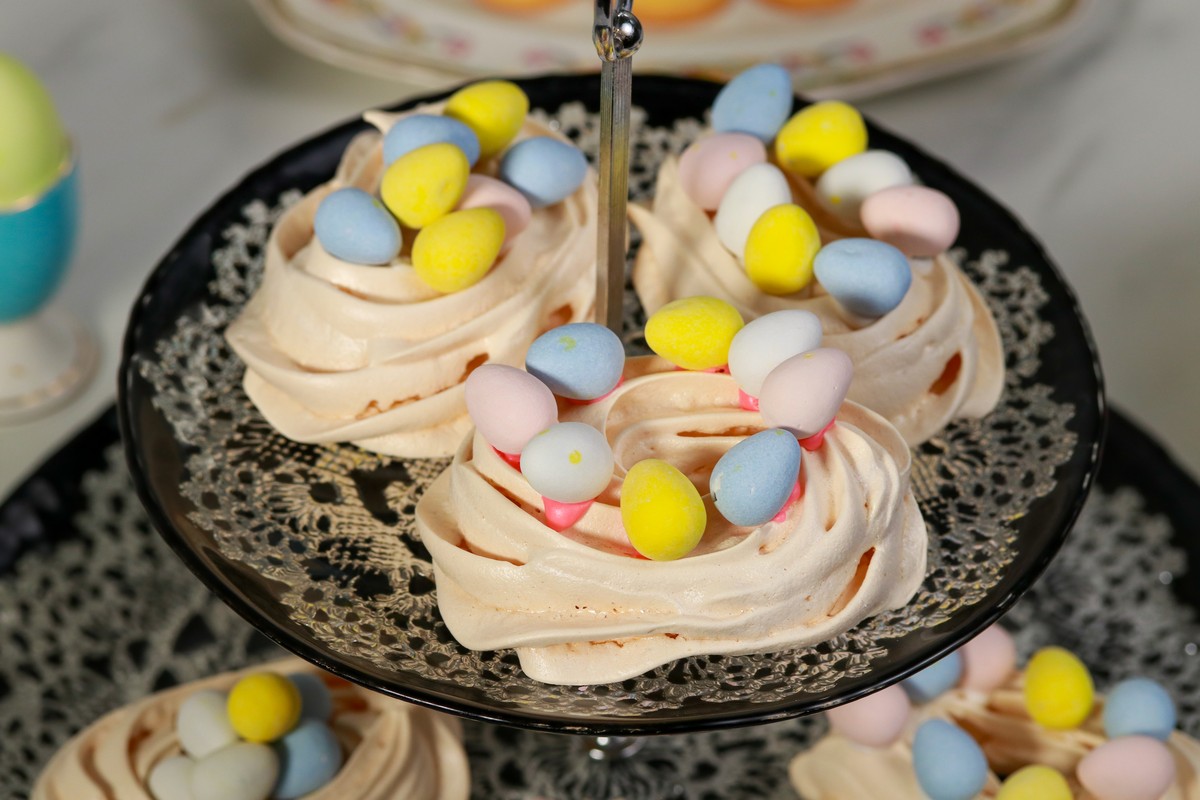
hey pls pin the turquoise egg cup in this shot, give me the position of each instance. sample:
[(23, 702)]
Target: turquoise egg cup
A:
[(37, 239)]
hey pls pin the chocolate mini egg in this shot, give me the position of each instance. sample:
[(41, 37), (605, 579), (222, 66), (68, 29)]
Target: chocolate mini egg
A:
[(33, 144), (757, 101), (353, 226), (425, 184), (1058, 689), (570, 462), (418, 130), (455, 252), (171, 779), (263, 706), (751, 483), (989, 659), (804, 393), (949, 764), (935, 680), (1035, 782), (843, 187), (758, 188), (694, 332), (780, 249), (819, 136), (580, 361), (316, 701), (661, 510), (876, 720), (710, 165), (508, 406), (309, 757), (483, 191), (1139, 706), (1128, 768), (544, 169), (866, 277), (495, 110), (920, 221), (202, 723), (242, 771), (767, 342)]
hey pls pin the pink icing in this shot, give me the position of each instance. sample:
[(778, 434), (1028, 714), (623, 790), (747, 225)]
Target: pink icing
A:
[(513, 459), (815, 441), (793, 498), (747, 402), (561, 516)]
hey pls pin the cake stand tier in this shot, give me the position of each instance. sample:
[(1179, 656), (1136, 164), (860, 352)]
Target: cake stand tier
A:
[(314, 545)]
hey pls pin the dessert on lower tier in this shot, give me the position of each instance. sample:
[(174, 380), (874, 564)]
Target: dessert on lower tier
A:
[(770, 211), (285, 730), (449, 238)]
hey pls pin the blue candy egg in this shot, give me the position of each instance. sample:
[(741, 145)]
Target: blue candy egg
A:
[(865, 276), (752, 481), (419, 130), (1139, 706), (316, 701), (757, 101), (309, 758), (353, 226), (545, 170), (935, 680), (581, 361), (949, 764)]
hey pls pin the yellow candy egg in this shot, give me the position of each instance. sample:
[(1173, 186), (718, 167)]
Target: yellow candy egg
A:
[(662, 512), (695, 332), (263, 707), (495, 110), (819, 136), (781, 248), (1035, 783), (1058, 689), (457, 250), (425, 184)]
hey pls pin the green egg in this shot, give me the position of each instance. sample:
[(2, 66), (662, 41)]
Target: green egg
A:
[(32, 141)]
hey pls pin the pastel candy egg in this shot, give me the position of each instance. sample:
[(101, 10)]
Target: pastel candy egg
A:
[(1058, 689), (767, 342), (819, 136), (1035, 782), (920, 221), (202, 724), (353, 226), (758, 188), (661, 510), (843, 187), (33, 144), (425, 184), (780, 249), (804, 393), (171, 779), (509, 406), (581, 361), (709, 166), (989, 659), (757, 101), (866, 277), (543, 169), (876, 720), (418, 130), (694, 332), (263, 706), (242, 771), (486, 192), (935, 680), (316, 701), (570, 462), (752, 481), (1139, 706), (309, 758), (456, 251), (495, 110), (949, 764), (1128, 768)]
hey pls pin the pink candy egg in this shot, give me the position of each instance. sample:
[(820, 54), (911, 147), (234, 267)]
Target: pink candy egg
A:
[(804, 393), (509, 406), (988, 660), (877, 720), (917, 220), (1128, 768), (709, 166), (486, 192)]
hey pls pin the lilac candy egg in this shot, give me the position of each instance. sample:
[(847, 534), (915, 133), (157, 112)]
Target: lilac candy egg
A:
[(309, 758), (418, 130), (989, 659), (486, 192), (866, 277), (756, 189), (766, 342), (876, 720), (920, 221), (1128, 768), (544, 169), (580, 361), (804, 393), (509, 406), (353, 226), (708, 166), (751, 483), (571, 462), (757, 101)]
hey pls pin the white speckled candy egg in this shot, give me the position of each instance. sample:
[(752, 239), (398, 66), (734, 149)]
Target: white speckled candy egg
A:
[(202, 723), (876, 720), (920, 221), (571, 462), (752, 481), (708, 166), (171, 779), (544, 169), (757, 101), (866, 277), (509, 406), (843, 187), (760, 187), (486, 192), (1128, 768), (353, 226), (804, 393), (242, 771), (580, 361), (767, 342)]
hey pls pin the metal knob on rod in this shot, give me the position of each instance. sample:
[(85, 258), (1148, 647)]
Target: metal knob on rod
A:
[(617, 35)]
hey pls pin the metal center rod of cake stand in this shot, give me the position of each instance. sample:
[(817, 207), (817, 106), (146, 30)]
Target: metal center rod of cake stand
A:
[(617, 35)]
